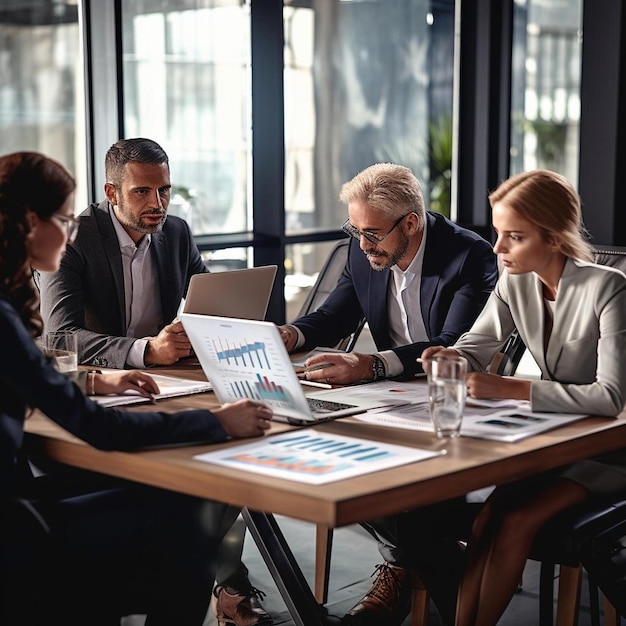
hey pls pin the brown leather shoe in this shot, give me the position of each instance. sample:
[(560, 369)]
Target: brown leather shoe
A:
[(238, 608), (387, 602)]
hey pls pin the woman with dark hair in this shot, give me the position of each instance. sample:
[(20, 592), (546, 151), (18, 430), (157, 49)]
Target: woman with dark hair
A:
[(571, 315), (112, 548)]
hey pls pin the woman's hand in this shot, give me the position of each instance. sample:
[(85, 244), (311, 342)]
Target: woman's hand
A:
[(494, 386), (244, 418), (119, 382)]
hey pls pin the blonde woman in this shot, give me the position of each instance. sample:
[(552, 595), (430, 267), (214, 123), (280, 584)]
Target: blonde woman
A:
[(571, 314)]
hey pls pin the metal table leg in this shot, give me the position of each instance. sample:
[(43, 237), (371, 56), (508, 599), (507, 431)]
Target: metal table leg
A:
[(285, 570)]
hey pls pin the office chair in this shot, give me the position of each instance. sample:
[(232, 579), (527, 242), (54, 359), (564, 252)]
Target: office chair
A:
[(326, 282)]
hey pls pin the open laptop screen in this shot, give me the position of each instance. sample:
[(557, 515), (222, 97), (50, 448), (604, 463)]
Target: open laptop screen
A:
[(247, 359)]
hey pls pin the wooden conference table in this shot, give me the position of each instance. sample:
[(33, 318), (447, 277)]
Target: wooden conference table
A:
[(468, 464)]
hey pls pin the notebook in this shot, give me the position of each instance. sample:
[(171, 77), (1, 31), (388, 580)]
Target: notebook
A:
[(247, 359), (236, 293)]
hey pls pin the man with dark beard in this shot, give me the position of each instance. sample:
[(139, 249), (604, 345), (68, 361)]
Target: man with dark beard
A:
[(416, 277), (119, 287), (121, 282), (419, 280)]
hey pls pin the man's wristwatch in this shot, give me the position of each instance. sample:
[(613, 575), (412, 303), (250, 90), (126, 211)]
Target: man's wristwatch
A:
[(379, 368)]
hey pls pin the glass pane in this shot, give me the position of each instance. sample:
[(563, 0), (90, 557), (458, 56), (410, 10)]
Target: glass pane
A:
[(365, 82), (187, 86), (547, 48), (41, 85), (227, 259)]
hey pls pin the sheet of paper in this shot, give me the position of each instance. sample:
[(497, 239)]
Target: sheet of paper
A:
[(168, 385), (510, 425), (315, 457), (382, 393)]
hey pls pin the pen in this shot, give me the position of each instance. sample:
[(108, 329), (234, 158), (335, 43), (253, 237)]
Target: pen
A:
[(314, 383), (318, 366)]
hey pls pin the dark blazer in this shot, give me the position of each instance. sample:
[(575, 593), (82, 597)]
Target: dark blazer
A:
[(87, 292), (458, 274), (27, 379)]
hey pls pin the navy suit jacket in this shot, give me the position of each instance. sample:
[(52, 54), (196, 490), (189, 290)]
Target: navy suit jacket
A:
[(87, 292), (458, 274)]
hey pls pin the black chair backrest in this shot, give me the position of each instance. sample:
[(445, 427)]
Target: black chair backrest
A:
[(326, 281), (613, 256)]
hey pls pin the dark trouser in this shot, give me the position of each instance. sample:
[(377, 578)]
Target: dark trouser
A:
[(133, 549), (426, 540)]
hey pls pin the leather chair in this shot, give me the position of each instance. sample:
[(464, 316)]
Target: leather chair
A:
[(324, 285), (565, 540)]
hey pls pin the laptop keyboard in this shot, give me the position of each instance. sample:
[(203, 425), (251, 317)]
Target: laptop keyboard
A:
[(326, 406)]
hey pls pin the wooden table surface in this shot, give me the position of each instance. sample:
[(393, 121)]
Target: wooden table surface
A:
[(468, 464)]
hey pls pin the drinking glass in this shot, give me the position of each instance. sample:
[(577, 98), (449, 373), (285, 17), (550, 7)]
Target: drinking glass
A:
[(62, 348), (446, 394)]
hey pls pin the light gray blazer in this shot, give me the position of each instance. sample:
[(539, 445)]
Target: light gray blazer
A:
[(584, 366)]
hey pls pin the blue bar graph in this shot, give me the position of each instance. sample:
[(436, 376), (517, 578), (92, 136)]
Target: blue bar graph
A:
[(242, 354)]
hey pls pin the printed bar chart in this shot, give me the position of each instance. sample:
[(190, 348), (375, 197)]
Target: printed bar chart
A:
[(315, 457)]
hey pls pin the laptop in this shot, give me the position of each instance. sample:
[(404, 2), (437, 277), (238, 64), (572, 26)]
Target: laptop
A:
[(236, 293), (247, 359)]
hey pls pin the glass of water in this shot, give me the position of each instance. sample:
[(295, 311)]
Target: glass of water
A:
[(446, 394), (62, 348)]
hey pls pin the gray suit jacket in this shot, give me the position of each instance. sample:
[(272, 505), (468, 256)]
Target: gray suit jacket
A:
[(584, 366), (86, 294)]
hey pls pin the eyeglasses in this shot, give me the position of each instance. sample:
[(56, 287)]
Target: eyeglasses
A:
[(71, 225), (370, 236)]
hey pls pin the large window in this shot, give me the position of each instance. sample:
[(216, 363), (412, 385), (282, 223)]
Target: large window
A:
[(42, 103), (186, 68), (365, 82), (547, 49)]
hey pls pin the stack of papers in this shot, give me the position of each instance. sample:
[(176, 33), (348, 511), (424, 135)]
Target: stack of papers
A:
[(169, 386)]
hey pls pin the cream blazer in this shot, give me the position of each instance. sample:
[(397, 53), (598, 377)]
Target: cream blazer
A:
[(584, 366)]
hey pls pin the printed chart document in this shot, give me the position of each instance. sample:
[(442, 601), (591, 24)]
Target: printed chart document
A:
[(315, 457), (169, 386), (381, 393), (500, 420)]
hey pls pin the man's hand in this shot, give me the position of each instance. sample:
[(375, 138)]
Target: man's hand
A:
[(342, 368), (289, 336), (169, 346), (434, 351), (244, 418)]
